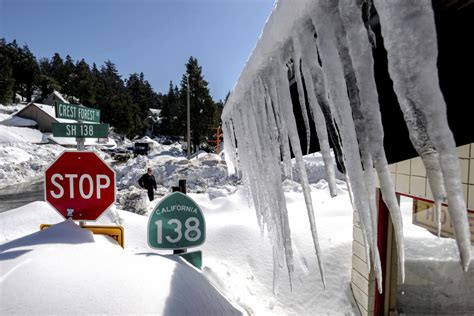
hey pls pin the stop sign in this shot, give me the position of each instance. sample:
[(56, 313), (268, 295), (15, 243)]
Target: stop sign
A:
[(79, 185)]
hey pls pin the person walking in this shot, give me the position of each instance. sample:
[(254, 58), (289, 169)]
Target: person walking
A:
[(147, 181)]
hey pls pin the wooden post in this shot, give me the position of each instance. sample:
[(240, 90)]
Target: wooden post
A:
[(180, 188), (175, 189)]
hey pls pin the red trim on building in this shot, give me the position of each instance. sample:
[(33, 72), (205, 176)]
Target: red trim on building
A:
[(427, 200), (382, 244)]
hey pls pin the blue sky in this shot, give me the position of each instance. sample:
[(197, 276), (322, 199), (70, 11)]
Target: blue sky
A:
[(155, 37)]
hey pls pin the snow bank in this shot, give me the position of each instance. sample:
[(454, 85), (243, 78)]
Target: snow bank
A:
[(65, 269), (20, 159), (16, 121), (13, 134), (202, 173), (237, 259), (11, 108)]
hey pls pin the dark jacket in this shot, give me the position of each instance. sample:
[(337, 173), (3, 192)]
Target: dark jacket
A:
[(147, 181)]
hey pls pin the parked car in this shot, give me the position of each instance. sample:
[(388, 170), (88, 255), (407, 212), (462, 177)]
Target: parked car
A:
[(119, 154), (141, 148)]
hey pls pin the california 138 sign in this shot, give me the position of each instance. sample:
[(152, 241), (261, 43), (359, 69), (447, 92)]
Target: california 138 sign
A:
[(176, 222)]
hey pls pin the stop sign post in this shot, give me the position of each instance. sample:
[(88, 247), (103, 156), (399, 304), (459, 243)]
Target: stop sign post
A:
[(80, 185)]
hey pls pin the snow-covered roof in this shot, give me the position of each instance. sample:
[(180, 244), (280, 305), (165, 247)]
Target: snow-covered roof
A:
[(155, 112), (60, 96), (14, 120), (19, 97), (48, 109), (276, 32)]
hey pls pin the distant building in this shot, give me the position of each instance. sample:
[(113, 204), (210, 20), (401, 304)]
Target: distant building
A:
[(43, 114), (52, 99), (19, 98)]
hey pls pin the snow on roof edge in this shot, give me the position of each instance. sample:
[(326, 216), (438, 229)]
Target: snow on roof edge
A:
[(59, 96), (276, 32)]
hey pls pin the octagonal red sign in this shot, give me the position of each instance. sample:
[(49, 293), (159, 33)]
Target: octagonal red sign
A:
[(79, 185)]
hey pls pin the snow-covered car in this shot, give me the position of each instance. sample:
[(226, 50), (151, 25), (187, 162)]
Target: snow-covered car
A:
[(120, 154)]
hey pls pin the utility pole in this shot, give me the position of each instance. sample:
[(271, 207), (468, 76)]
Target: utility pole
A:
[(188, 118)]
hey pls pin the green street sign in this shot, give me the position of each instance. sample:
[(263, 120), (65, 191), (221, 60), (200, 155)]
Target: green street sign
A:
[(85, 130), (77, 112), (175, 223)]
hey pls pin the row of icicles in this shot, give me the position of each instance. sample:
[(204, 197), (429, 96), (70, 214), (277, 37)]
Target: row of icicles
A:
[(331, 54)]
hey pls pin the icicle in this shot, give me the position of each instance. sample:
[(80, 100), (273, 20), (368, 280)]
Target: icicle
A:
[(327, 22), (412, 67), (272, 184), (438, 217), (308, 63), (367, 247), (431, 161), (276, 270), (230, 147), (302, 100), (368, 108), (283, 136), (361, 128), (281, 81), (275, 118)]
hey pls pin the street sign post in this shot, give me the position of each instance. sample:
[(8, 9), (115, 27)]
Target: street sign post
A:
[(176, 222), (85, 130), (77, 112), (79, 185)]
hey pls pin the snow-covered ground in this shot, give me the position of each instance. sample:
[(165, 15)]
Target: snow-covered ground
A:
[(21, 159), (65, 270)]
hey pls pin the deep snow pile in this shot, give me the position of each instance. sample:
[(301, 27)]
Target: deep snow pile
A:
[(237, 260), (7, 110), (200, 173), (21, 159), (65, 270), (204, 172)]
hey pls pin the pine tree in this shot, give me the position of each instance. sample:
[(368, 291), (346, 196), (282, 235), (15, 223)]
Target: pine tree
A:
[(47, 84), (141, 95), (83, 81), (25, 69), (30, 72), (202, 107), (6, 74), (172, 113), (113, 100), (69, 79)]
